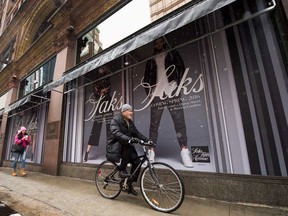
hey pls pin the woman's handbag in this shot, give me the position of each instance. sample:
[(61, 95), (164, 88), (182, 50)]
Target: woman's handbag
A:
[(17, 148)]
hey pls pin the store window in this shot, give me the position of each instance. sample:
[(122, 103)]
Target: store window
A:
[(44, 25), (6, 55), (231, 94), (32, 117), (38, 78)]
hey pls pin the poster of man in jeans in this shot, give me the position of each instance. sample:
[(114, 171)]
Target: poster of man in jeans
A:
[(164, 73), (170, 90)]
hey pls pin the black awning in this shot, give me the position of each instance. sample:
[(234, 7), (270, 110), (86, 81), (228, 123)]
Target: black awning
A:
[(27, 102), (182, 18), (19, 103)]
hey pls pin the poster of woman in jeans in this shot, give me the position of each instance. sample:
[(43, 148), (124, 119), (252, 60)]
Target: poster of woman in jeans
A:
[(101, 99)]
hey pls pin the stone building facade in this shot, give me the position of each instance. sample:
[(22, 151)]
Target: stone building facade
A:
[(56, 56)]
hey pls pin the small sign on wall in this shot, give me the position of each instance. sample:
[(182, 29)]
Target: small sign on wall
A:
[(53, 130), (200, 154)]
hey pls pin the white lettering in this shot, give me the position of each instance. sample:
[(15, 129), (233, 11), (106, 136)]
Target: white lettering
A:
[(103, 106), (166, 91)]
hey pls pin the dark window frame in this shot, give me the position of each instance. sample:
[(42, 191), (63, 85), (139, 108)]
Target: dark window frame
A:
[(6, 55), (37, 78)]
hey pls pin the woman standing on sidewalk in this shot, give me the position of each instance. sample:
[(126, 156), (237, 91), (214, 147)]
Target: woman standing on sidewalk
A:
[(23, 139)]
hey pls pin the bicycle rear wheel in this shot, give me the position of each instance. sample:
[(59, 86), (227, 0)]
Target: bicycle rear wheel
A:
[(107, 183), (162, 187)]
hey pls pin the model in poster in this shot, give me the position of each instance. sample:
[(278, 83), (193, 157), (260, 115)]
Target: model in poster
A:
[(166, 69), (102, 89)]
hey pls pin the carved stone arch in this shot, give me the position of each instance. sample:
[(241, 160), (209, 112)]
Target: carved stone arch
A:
[(31, 26)]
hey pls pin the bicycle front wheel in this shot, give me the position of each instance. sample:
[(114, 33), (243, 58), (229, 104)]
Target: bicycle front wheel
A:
[(162, 187), (106, 181)]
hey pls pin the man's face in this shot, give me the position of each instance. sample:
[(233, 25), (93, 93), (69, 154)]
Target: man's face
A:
[(128, 114), (159, 44)]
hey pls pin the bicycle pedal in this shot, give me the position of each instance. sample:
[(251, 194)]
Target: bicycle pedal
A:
[(124, 189)]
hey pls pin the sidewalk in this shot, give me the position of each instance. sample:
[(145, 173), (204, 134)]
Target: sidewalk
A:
[(45, 195)]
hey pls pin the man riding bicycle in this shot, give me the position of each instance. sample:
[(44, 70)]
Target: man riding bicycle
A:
[(122, 135)]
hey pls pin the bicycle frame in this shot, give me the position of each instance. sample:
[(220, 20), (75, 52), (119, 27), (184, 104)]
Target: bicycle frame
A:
[(142, 161)]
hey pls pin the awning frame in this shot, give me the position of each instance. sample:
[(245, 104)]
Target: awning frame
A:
[(26, 99)]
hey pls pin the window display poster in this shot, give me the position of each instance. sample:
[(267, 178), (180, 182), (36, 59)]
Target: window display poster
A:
[(169, 106), (168, 93), (34, 120), (103, 99)]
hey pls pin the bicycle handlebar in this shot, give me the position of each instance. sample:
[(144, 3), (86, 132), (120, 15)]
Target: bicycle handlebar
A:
[(148, 144), (142, 142)]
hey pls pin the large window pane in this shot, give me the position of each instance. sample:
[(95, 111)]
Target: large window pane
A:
[(37, 79)]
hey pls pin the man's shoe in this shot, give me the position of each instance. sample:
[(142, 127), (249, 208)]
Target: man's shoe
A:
[(132, 191), (151, 155), (123, 174), (186, 159)]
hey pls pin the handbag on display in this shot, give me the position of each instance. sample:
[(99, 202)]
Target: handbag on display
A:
[(17, 148)]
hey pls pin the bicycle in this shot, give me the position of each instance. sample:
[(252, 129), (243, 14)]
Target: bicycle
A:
[(160, 184)]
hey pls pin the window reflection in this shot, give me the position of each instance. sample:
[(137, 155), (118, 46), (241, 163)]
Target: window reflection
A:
[(89, 45), (118, 26), (6, 55), (37, 79)]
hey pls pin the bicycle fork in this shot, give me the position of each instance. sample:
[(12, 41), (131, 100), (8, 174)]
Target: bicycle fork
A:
[(154, 177)]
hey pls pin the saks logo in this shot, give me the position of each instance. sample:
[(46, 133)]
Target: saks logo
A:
[(162, 89), (103, 106), (165, 90)]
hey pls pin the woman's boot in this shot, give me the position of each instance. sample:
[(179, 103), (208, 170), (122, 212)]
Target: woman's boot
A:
[(22, 172), (14, 173)]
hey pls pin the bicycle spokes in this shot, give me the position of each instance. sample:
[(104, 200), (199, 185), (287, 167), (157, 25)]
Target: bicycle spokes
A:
[(162, 187), (106, 182)]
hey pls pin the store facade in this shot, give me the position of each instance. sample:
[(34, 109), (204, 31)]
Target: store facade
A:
[(228, 105), (30, 110), (232, 91), (225, 97)]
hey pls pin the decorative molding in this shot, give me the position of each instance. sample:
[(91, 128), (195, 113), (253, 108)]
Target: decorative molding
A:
[(65, 38)]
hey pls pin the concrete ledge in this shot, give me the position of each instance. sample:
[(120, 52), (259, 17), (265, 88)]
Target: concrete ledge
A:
[(264, 190), (83, 171), (29, 166)]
